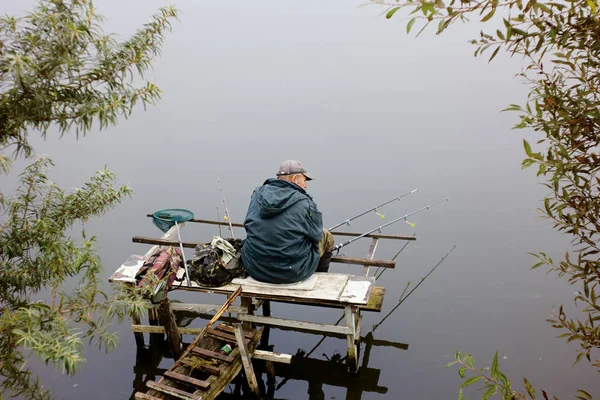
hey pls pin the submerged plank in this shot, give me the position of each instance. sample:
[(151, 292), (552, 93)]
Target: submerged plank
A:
[(211, 354), (187, 379), (144, 396), (209, 369), (223, 336), (231, 329), (172, 391), (229, 373)]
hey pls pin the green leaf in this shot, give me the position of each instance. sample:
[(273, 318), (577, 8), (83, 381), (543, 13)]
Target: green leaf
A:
[(489, 393), (461, 371), (410, 24), (529, 388), (489, 15), (460, 394), (585, 395), (441, 26), (494, 369), (470, 381), (542, 169), (494, 53), (527, 148), (391, 12), (469, 361)]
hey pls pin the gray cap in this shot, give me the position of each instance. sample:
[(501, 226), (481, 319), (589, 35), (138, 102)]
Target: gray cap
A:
[(289, 167)]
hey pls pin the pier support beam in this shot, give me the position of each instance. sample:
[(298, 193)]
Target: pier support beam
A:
[(351, 320), (167, 319), (139, 336)]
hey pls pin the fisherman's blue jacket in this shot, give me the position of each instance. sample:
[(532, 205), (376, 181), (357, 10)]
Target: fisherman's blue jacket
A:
[(283, 228)]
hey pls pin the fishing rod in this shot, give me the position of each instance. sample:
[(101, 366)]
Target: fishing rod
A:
[(218, 219), (347, 222), (402, 299), (346, 243), (226, 209)]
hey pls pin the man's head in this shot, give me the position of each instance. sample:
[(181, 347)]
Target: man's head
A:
[(294, 171)]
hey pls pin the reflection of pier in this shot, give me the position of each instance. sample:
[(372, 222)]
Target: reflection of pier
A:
[(316, 372)]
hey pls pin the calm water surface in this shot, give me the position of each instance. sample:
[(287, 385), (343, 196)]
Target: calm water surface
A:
[(372, 113)]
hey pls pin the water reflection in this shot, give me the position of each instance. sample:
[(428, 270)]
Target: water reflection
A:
[(272, 377)]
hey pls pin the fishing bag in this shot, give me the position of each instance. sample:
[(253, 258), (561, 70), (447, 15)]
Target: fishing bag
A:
[(160, 270), (208, 268)]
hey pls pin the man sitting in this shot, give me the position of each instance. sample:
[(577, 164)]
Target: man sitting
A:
[(285, 239)]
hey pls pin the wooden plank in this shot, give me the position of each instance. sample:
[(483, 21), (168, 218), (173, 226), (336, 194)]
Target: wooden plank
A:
[(326, 292), (161, 329), (209, 369), (211, 354), (229, 373), (375, 300), (369, 262), (201, 308), (144, 396), (238, 225), (223, 336), (180, 394), (272, 356), (246, 361), (336, 259), (198, 339), (328, 286), (356, 291), (309, 326), (231, 330), (187, 379)]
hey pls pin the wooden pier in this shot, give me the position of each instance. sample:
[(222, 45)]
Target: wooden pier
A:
[(350, 293)]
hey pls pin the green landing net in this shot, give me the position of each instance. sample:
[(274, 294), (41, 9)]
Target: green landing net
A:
[(165, 219)]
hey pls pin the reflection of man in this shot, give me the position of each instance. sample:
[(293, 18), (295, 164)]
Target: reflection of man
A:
[(285, 239)]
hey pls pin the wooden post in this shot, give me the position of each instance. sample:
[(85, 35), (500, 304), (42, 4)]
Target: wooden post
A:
[(167, 319), (266, 307), (371, 254), (246, 361), (352, 350), (247, 303), (139, 336)]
